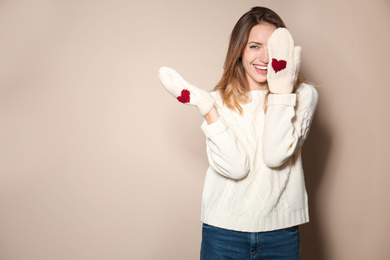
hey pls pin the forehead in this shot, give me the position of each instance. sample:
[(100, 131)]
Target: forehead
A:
[(261, 32)]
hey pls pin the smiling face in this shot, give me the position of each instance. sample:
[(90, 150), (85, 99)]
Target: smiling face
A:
[(255, 56)]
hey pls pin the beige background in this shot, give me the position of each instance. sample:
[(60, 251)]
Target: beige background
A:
[(98, 162)]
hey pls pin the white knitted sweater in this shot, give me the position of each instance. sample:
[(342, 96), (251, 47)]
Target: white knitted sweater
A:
[(255, 180)]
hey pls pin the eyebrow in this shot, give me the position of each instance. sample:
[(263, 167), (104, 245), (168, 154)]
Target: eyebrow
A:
[(255, 42)]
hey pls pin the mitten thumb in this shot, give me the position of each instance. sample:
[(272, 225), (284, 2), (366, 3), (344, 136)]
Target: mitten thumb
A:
[(297, 60)]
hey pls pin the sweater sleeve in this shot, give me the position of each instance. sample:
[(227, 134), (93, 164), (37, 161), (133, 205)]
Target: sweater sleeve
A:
[(287, 124), (225, 153)]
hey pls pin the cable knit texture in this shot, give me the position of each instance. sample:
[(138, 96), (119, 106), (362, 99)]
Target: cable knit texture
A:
[(255, 180)]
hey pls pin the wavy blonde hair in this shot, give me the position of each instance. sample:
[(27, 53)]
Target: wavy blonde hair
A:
[(233, 85)]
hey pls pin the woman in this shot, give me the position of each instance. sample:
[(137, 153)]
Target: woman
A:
[(256, 121)]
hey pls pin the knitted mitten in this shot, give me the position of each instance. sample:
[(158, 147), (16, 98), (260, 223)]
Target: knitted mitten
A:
[(185, 92), (284, 62)]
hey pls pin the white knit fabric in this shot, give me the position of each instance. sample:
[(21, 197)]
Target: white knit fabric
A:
[(281, 49), (255, 180), (175, 85)]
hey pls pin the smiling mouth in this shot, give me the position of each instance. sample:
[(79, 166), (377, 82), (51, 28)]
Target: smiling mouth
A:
[(263, 68)]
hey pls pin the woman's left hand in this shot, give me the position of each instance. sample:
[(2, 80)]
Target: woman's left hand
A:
[(284, 63)]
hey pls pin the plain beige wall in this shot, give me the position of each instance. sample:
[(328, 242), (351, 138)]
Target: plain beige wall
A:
[(98, 162)]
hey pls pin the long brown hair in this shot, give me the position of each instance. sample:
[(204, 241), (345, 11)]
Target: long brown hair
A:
[(233, 85)]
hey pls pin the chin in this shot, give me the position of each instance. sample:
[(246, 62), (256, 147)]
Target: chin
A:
[(262, 80)]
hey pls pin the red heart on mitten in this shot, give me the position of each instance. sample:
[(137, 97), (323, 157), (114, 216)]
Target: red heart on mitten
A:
[(278, 65), (184, 97)]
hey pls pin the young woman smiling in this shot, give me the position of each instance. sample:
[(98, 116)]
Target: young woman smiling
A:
[(256, 121)]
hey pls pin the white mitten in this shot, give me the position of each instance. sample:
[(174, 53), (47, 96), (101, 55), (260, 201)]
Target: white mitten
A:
[(284, 62), (185, 92)]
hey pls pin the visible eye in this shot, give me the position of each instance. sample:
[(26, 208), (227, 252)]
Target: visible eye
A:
[(253, 46)]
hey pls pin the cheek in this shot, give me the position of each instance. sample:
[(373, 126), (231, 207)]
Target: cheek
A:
[(247, 57)]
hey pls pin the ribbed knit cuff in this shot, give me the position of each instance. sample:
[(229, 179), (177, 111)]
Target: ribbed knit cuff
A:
[(279, 86), (282, 99), (215, 128), (206, 104)]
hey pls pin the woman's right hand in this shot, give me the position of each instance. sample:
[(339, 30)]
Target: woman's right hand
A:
[(185, 92)]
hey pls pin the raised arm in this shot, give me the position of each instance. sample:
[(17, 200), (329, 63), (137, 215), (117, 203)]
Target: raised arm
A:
[(289, 115), (225, 153), (287, 124)]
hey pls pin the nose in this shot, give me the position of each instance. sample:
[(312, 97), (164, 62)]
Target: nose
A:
[(263, 55)]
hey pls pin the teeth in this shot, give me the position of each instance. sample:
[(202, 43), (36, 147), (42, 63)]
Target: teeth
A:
[(261, 67)]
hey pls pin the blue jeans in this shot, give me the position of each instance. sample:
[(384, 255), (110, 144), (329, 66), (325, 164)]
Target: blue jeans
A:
[(221, 244)]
